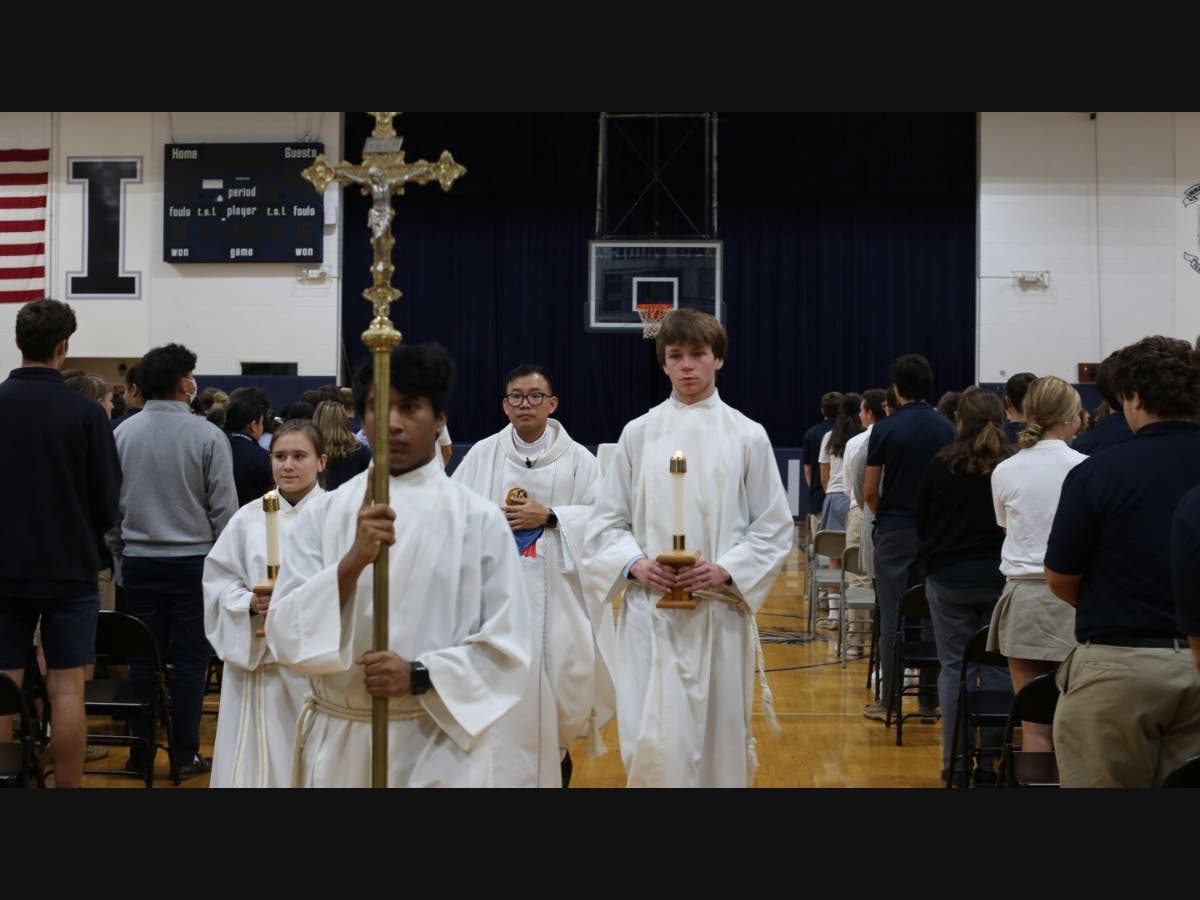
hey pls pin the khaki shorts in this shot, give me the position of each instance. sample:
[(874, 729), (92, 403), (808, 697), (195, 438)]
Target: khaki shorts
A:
[(1029, 622)]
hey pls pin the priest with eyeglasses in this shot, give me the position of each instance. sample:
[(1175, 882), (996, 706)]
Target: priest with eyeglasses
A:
[(545, 482)]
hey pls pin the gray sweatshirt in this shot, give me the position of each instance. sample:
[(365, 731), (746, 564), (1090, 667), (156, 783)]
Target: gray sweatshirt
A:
[(178, 491)]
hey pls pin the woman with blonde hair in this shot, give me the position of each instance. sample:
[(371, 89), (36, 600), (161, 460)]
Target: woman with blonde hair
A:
[(260, 700), (347, 456), (1031, 626)]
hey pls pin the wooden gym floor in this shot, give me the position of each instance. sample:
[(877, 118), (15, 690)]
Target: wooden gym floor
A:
[(826, 742)]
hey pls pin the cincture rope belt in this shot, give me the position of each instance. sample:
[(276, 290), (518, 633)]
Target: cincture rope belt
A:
[(767, 697), (308, 717)]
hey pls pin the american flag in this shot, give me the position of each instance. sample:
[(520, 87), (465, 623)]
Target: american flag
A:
[(24, 185)]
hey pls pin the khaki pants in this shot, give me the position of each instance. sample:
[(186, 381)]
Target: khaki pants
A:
[(108, 591), (1127, 715), (854, 539)]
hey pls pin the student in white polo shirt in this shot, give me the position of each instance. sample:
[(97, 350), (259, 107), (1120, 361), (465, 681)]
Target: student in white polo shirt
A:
[(1031, 626)]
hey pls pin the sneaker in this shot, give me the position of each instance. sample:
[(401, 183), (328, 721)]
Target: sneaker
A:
[(875, 711), (94, 752), (928, 716), (829, 624), (200, 765), (854, 652)]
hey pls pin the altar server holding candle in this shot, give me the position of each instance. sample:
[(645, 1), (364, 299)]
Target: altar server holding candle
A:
[(260, 699), (685, 677)]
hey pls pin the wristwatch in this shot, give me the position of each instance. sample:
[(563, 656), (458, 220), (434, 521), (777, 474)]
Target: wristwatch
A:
[(418, 678), (551, 519)]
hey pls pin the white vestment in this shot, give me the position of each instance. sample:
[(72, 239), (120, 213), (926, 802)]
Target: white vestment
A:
[(457, 604), (685, 678), (573, 697), (260, 700)]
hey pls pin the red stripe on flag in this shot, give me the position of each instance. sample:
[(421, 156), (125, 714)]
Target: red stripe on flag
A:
[(27, 272), (25, 178), (22, 249), (23, 202), (23, 155), (20, 296), (25, 225), (19, 281)]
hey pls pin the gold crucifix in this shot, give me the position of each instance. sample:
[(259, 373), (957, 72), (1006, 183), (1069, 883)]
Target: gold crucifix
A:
[(382, 173)]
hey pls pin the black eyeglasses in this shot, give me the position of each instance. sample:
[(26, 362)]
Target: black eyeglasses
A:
[(537, 398)]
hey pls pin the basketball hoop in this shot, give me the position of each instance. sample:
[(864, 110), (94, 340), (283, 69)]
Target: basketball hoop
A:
[(651, 315)]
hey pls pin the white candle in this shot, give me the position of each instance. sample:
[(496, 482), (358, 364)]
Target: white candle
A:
[(678, 468), (271, 514)]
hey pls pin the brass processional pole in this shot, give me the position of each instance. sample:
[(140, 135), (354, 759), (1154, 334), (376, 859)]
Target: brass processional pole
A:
[(382, 173)]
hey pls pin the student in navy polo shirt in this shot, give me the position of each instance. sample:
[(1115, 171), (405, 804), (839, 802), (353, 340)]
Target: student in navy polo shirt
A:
[(831, 405), (1112, 428), (1130, 708), (1185, 568), (899, 449)]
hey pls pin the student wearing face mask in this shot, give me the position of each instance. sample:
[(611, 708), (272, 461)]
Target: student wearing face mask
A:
[(177, 497)]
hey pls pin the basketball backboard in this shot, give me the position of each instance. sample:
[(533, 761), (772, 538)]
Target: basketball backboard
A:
[(622, 274)]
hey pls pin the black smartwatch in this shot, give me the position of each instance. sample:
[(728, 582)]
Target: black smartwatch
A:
[(551, 519), (418, 678)]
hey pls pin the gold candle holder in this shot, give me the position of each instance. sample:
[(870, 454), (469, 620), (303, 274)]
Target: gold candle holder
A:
[(270, 503), (678, 556)]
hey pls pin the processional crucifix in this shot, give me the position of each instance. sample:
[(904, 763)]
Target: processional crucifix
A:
[(382, 173)]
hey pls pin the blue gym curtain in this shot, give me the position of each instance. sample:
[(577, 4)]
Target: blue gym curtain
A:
[(849, 238)]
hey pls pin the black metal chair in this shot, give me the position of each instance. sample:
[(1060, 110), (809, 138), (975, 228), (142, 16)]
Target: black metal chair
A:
[(1035, 702), (37, 696), (212, 682), (19, 763), (120, 638), (978, 708), (910, 652), (874, 663), (1185, 775)]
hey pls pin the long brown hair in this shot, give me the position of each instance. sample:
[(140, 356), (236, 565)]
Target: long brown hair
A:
[(980, 444)]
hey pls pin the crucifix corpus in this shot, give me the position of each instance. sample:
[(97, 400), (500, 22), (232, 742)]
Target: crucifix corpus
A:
[(382, 174)]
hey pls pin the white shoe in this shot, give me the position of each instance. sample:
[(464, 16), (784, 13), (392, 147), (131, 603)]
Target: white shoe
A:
[(829, 624)]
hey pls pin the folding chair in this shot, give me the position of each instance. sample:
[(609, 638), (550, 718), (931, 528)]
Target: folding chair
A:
[(19, 763), (119, 638), (910, 653), (874, 663), (855, 598), (212, 682), (1035, 702), (978, 707), (37, 697), (827, 545), (811, 563)]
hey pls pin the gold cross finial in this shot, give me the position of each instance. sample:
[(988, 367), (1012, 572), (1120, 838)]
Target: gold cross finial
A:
[(383, 124), (382, 174)]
